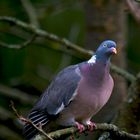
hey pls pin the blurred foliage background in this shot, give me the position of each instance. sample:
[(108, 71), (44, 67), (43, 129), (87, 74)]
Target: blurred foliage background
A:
[(31, 69)]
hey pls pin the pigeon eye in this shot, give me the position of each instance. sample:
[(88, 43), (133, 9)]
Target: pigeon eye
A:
[(105, 45)]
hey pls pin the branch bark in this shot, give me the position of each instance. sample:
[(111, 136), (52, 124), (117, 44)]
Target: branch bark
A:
[(101, 126)]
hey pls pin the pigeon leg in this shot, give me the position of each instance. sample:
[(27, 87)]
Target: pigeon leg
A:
[(80, 127), (91, 125)]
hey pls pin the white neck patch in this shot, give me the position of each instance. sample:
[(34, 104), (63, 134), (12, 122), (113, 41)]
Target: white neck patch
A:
[(92, 59)]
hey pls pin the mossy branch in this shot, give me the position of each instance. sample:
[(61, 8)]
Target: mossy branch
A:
[(113, 129)]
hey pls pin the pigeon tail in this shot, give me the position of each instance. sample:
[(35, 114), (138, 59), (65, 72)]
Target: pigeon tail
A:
[(40, 119)]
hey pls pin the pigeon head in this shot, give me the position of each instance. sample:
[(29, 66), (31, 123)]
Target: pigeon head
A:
[(105, 50)]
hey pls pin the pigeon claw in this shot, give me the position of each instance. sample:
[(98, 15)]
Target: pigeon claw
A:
[(91, 126), (80, 127)]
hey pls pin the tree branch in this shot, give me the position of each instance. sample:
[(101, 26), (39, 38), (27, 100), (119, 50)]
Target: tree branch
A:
[(45, 34), (65, 42), (8, 134), (101, 126), (113, 129), (30, 12), (134, 9), (19, 46), (123, 73), (39, 128), (17, 94), (104, 136), (5, 114)]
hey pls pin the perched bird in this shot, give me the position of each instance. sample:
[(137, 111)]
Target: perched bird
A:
[(76, 94)]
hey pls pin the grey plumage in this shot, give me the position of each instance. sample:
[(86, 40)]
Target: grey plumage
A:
[(59, 92), (76, 94)]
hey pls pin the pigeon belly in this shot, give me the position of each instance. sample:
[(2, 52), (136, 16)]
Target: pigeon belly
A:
[(87, 102)]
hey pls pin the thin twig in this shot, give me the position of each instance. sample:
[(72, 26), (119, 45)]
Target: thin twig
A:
[(31, 12), (14, 109), (65, 42), (19, 46), (21, 118)]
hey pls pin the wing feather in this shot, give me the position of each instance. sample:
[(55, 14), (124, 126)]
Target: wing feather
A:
[(58, 95), (37, 118), (61, 91)]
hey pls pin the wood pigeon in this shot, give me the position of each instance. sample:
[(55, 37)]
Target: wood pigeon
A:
[(76, 94)]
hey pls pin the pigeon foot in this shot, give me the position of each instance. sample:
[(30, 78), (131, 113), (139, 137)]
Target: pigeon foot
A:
[(80, 127), (91, 126)]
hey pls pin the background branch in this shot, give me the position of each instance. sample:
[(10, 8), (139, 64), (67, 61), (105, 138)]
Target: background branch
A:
[(19, 46), (31, 12), (17, 94), (7, 133), (134, 9), (67, 43)]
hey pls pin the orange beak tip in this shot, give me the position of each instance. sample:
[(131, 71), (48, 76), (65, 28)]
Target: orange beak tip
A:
[(114, 51)]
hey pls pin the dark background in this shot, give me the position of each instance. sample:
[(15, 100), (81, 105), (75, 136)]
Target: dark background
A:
[(30, 69)]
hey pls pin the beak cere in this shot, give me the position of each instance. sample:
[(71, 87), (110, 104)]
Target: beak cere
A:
[(114, 50)]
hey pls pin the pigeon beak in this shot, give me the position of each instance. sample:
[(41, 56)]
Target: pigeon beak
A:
[(114, 51)]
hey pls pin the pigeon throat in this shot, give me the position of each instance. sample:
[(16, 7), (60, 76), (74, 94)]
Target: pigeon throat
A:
[(99, 59), (94, 70)]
